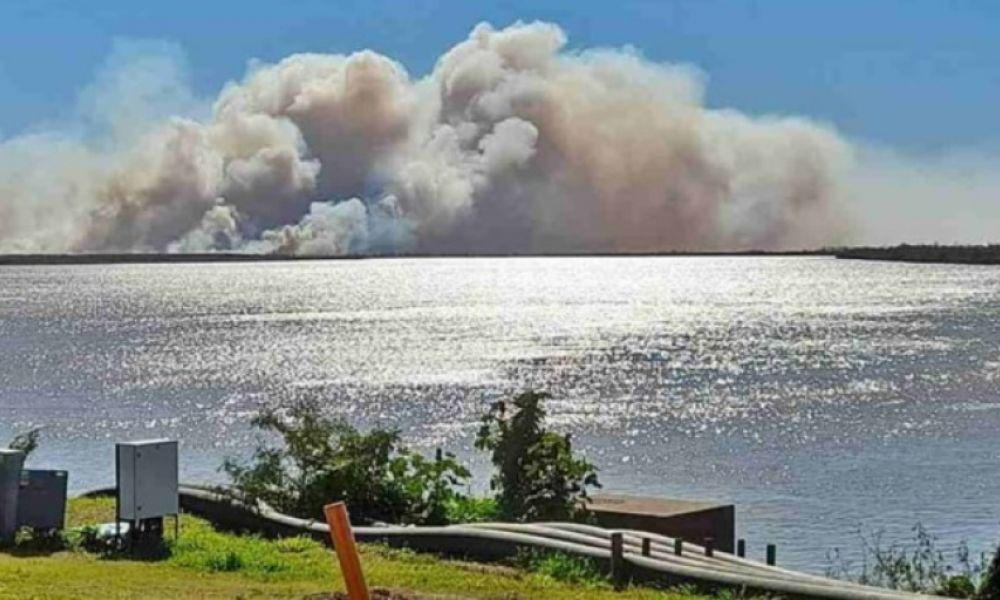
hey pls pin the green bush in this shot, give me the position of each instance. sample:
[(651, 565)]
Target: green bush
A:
[(323, 460), (956, 586), (989, 589), (468, 509), (537, 477)]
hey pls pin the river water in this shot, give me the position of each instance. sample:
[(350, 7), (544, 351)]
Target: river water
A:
[(819, 396)]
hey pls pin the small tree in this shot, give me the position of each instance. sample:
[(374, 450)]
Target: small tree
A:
[(989, 589), (324, 460), (537, 477)]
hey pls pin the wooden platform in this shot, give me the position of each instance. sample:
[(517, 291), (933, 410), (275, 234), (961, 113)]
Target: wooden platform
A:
[(693, 521)]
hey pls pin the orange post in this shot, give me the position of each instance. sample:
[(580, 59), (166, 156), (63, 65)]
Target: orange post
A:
[(347, 551)]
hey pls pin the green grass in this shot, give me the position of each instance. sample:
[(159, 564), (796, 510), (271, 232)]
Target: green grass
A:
[(205, 563), (564, 567)]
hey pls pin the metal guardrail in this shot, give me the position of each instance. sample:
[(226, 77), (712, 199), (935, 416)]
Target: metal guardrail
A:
[(646, 557)]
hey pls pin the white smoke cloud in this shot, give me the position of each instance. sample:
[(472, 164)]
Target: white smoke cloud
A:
[(219, 230), (141, 82), (509, 145)]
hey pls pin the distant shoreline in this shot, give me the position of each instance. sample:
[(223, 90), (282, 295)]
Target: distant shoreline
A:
[(153, 258), (926, 253), (971, 255)]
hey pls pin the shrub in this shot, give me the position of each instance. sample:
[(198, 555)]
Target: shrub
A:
[(324, 460), (466, 509), (956, 586), (989, 589), (537, 477)]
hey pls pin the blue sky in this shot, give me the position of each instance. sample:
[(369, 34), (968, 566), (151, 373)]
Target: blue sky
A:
[(917, 75)]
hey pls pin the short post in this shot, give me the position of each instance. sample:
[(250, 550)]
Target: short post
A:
[(741, 548), (709, 546), (678, 546), (11, 462), (617, 561), (646, 546), (342, 537), (772, 554)]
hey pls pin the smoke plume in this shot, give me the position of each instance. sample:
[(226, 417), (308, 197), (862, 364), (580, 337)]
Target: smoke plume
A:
[(510, 144)]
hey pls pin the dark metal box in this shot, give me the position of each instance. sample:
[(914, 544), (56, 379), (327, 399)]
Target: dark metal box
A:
[(41, 501)]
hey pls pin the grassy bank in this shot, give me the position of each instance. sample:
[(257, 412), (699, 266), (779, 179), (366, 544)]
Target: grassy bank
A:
[(205, 563)]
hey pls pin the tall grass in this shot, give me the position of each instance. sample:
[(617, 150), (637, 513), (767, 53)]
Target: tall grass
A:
[(916, 566)]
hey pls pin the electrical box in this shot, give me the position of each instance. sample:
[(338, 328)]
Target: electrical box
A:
[(147, 479), (11, 462), (41, 502)]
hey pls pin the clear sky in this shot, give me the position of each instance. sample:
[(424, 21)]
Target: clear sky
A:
[(914, 74)]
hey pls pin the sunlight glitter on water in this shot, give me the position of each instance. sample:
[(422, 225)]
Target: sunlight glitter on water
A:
[(815, 394)]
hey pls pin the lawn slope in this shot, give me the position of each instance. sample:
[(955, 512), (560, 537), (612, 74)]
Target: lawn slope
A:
[(205, 563)]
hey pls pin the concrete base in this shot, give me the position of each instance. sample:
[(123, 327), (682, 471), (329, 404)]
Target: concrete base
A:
[(691, 521)]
